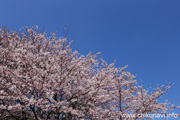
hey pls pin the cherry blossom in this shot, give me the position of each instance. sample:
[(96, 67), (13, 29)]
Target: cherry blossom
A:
[(42, 78)]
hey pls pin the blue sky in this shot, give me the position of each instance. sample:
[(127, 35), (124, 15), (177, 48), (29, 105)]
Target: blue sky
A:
[(145, 35)]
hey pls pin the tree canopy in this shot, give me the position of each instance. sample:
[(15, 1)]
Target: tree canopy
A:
[(42, 78)]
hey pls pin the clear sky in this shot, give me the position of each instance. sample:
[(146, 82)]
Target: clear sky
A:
[(143, 34)]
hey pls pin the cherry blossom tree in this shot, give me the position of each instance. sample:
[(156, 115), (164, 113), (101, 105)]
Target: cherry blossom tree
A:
[(41, 78)]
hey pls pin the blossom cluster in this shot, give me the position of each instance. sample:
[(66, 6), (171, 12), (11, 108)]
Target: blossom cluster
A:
[(42, 78)]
